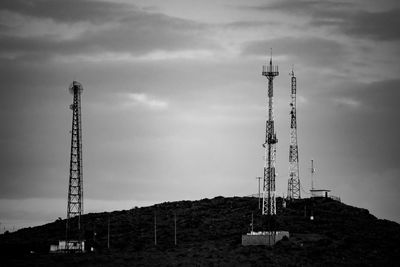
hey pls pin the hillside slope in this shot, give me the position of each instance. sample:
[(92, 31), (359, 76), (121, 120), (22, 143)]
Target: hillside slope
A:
[(209, 233)]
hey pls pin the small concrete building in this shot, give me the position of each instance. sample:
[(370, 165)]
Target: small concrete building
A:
[(263, 238), (53, 248), (73, 246), (320, 193)]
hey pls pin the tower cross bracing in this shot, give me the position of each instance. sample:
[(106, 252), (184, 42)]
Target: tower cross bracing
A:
[(269, 204), (294, 178), (75, 185)]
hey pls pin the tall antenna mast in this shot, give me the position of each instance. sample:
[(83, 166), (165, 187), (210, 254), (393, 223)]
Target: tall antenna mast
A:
[(269, 206), (75, 187), (294, 178)]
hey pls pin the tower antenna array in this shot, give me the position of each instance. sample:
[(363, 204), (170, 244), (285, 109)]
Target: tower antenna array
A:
[(269, 205), (75, 187), (294, 178)]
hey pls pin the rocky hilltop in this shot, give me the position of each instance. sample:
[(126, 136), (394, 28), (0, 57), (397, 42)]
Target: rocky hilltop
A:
[(209, 233)]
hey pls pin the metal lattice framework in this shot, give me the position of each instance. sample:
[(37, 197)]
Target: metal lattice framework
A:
[(294, 178), (75, 188), (269, 205)]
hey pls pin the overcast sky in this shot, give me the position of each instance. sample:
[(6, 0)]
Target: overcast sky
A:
[(174, 103)]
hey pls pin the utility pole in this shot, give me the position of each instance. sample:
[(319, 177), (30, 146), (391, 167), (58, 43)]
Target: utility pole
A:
[(252, 223), (155, 228), (94, 234), (108, 232), (175, 228), (259, 193)]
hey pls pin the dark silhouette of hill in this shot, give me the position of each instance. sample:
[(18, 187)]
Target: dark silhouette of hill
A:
[(209, 233)]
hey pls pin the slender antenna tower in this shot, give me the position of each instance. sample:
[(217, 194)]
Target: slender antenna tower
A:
[(75, 187), (294, 178), (269, 206)]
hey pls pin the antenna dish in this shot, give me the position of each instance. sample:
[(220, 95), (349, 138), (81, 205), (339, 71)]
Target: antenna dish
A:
[(75, 86)]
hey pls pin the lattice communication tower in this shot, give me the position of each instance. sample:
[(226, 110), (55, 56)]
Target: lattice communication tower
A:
[(269, 203), (294, 178), (75, 188)]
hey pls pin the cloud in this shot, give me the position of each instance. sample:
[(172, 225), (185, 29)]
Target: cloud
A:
[(144, 100), (379, 97), (245, 24), (194, 96), (298, 6), (345, 17), (157, 55), (69, 11), (378, 25), (30, 34), (314, 50), (183, 54), (368, 127), (347, 102)]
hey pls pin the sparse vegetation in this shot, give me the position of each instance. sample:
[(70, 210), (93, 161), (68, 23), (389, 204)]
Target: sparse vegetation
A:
[(209, 233)]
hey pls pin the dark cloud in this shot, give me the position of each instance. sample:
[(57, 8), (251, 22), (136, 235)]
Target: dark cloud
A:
[(351, 131), (69, 11), (132, 31), (245, 24), (305, 6), (213, 102), (369, 129), (317, 51), (345, 17), (373, 25), (375, 97)]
